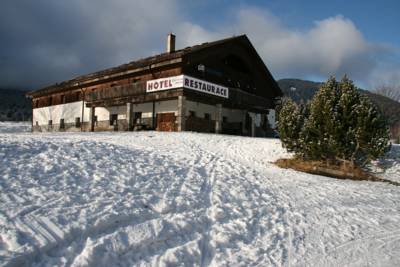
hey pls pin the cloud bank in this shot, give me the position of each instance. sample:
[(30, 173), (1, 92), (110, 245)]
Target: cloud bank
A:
[(50, 41)]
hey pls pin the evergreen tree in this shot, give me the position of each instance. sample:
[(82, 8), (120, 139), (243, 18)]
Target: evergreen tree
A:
[(319, 128), (290, 123), (339, 125)]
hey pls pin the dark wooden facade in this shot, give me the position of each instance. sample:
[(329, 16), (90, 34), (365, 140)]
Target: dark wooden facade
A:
[(231, 62)]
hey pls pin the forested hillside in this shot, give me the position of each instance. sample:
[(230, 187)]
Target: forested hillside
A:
[(14, 106)]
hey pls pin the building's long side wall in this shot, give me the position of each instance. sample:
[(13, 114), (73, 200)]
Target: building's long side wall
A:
[(103, 113), (69, 112)]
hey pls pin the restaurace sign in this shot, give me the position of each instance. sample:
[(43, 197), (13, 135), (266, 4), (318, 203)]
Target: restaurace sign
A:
[(187, 82)]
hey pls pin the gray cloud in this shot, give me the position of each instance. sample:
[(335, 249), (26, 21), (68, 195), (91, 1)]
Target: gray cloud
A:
[(47, 41), (333, 46)]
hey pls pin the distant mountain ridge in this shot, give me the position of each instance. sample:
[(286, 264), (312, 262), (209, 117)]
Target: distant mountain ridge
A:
[(302, 91)]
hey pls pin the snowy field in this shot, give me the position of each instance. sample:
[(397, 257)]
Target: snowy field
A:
[(186, 199), (14, 127)]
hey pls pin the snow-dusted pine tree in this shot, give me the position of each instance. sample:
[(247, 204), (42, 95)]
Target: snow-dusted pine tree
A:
[(290, 123), (320, 126), (339, 125)]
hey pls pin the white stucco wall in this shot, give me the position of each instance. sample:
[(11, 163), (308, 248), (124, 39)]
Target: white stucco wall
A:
[(68, 112), (160, 107), (271, 118), (103, 114)]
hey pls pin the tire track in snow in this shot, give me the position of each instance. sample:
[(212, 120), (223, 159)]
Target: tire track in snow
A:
[(207, 192), (233, 163), (101, 231), (365, 247), (363, 244), (264, 231)]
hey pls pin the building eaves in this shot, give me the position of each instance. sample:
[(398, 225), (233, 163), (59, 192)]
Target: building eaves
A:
[(129, 68)]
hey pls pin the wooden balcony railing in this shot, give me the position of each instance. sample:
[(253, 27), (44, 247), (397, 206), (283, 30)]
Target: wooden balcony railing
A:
[(138, 88), (236, 96)]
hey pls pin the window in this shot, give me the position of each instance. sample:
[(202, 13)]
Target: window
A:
[(77, 122), (113, 119), (192, 114), (207, 116), (137, 117), (50, 100), (37, 123), (224, 119), (50, 122), (62, 100), (62, 124), (95, 120)]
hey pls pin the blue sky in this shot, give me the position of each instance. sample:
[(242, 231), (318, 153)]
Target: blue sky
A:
[(46, 41), (378, 20)]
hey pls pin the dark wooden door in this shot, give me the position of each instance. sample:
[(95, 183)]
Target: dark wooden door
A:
[(166, 122)]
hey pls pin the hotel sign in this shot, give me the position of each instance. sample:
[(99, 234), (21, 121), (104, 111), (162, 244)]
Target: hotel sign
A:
[(184, 81)]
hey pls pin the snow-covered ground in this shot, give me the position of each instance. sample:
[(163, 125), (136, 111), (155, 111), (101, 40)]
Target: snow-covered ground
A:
[(166, 199), (15, 127)]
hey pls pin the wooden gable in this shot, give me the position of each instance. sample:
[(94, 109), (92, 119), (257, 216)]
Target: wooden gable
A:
[(235, 63)]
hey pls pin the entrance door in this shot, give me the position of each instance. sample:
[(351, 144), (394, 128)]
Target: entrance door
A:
[(166, 122)]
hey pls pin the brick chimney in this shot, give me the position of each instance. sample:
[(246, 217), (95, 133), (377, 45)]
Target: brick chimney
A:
[(171, 43)]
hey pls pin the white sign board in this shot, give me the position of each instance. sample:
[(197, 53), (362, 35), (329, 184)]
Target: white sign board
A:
[(164, 84), (189, 83)]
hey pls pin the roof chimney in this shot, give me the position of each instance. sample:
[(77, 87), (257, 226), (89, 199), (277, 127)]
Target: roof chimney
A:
[(171, 43)]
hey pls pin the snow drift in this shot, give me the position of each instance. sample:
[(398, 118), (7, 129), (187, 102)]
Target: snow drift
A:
[(162, 199)]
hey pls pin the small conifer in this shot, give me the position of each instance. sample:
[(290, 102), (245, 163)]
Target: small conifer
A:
[(339, 124)]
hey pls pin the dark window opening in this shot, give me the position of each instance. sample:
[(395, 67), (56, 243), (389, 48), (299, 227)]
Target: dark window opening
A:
[(50, 122), (77, 122), (224, 119), (95, 120), (137, 117), (50, 100), (248, 122), (192, 114), (62, 99), (113, 119), (207, 116), (37, 123), (62, 124)]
